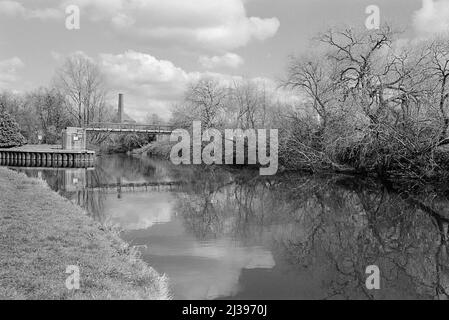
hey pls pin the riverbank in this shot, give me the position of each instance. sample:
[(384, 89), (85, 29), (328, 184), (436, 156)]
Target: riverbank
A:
[(41, 234), (158, 149), (320, 163)]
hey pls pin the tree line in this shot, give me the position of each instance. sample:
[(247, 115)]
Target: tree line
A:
[(76, 97), (366, 101), (369, 102)]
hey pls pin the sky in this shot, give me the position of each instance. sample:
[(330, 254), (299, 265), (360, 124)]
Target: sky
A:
[(150, 50)]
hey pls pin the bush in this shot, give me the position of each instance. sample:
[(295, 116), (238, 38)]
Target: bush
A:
[(159, 149), (118, 143), (10, 135)]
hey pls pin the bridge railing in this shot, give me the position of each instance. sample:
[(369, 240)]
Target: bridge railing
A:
[(129, 126)]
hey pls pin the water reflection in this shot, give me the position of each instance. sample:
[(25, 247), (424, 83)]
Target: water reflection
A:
[(224, 234)]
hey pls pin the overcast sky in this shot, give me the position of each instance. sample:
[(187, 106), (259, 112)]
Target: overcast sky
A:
[(151, 49)]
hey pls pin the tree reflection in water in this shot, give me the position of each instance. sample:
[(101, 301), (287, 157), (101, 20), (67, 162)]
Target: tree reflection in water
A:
[(336, 224)]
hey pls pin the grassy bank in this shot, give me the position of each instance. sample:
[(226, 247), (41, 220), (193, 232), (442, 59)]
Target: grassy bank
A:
[(41, 234)]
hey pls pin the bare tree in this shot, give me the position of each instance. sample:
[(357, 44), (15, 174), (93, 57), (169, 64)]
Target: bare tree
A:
[(313, 77), (437, 62), (251, 101), (81, 82), (207, 100), (381, 105)]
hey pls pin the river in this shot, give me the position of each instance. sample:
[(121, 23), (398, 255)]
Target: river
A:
[(220, 234)]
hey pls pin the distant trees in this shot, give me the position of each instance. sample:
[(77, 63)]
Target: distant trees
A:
[(52, 117), (41, 111), (153, 118), (242, 103), (77, 97)]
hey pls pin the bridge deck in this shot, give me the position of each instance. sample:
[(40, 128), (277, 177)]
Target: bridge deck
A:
[(129, 127)]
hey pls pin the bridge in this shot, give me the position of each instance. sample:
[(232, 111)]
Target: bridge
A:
[(75, 138), (129, 127), (122, 126)]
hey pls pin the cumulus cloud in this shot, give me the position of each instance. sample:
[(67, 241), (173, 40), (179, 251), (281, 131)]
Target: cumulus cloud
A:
[(215, 25), (137, 214), (230, 60), (12, 8), (433, 17), (8, 71), (16, 9), (217, 266), (150, 85), (211, 24)]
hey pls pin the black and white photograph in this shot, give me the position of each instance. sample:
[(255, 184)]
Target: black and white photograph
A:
[(224, 155)]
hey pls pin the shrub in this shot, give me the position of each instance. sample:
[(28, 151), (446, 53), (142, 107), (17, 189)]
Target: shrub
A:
[(10, 135)]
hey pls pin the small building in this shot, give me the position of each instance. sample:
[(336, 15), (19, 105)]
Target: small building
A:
[(74, 138)]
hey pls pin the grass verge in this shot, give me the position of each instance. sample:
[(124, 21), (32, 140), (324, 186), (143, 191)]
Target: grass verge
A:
[(42, 233)]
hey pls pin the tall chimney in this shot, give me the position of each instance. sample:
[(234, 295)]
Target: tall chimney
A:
[(120, 107)]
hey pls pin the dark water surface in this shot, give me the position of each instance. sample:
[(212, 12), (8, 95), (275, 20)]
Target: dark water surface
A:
[(219, 235)]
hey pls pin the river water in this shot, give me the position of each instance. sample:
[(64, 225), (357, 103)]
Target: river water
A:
[(220, 234)]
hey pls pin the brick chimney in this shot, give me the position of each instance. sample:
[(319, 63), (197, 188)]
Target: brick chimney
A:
[(120, 107)]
